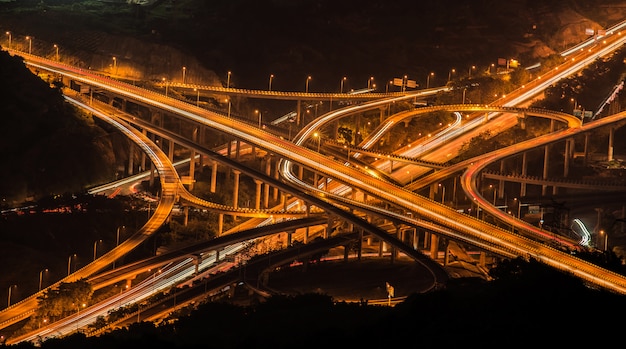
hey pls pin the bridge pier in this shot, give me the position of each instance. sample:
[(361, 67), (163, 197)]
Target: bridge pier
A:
[(276, 176), (522, 191), (220, 224), (268, 171), (257, 197), (609, 155), (213, 176), (131, 158), (434, 246), (236, 191)]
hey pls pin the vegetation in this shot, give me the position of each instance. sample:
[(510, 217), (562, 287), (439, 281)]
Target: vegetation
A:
[(527, 300)]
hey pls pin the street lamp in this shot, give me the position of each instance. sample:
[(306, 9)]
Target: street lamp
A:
[(228, 80), (184, 71), (258, 112), (606, 239), (95, 245), (9, 36), (57, 51), (306, 89), (9, 301), (469, 72), (428, 79), (369, 83), (69, 264), (41, 277), (197, 97), (115, 65), (166, 85), (30, 44), (271, 78), (319, 137), (443, 193), (341, 84), (450, 73)]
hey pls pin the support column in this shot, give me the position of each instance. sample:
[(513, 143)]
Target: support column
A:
[(566, 157), (186, 213), (268, 171), (131, 158), (586, 149), (220, 224), (524, 169), (257, 198), (276, 176), (170, 150), (434, 247), (238, 149), (611, 140), (213, 176), (236, 191)]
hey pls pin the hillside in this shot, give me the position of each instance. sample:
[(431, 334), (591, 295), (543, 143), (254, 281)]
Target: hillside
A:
[(324, 39)]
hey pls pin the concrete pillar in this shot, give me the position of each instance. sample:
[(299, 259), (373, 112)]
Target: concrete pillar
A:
[(131, 158), (611, 140), (257, 198), (546, 162), (501, 182), (298, 113), (186, 213), (237, 149), (434, 247), (586, 150), (482, 259), (307, 229), (415, 239), (170, 150), (143, 154), (266, 192), (566, 157), (229, 151), (446, 255), (220, 224), (276, 176), (213, 176), (360, 245), (524, 171), (236, 191)]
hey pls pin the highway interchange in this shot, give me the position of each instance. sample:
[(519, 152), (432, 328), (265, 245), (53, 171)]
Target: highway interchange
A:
[(344, 178)]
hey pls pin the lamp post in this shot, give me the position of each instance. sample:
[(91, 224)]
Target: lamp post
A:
[(165, 82), (443, 193), (184, 71), (258, 112), (9, 36), (469, 72), (95, 246), (69, 264), (450, 74), (270, 84), (606, 239), (41, 277), (341, 84), (369, 83), (428, 79), (30, 44), (463, 102), (318, 136), (306, 88), (228, 80), (9, 300), (115, 65), (56, 47)]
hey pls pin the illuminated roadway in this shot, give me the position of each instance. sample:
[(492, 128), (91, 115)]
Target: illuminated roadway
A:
[(359, 178), (364, 180)]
